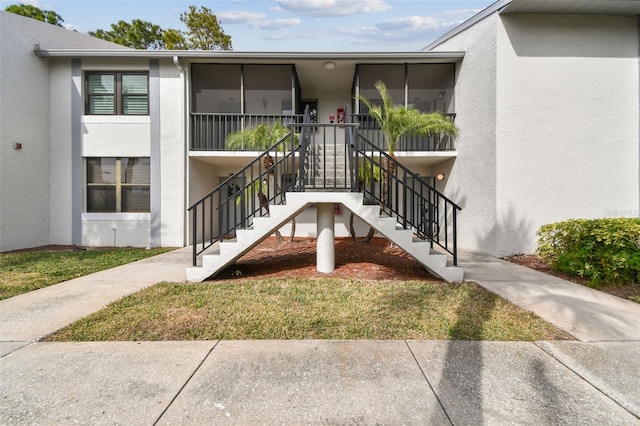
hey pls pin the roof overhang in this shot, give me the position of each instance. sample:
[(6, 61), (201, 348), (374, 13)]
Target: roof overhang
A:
[(574, 7), (231, 56)]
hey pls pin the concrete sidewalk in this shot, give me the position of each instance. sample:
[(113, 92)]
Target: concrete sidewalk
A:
[(595, 381), (322, 382), (35, 315), (588, 315)]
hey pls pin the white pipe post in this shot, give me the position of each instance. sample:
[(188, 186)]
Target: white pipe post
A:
[(325, 244)]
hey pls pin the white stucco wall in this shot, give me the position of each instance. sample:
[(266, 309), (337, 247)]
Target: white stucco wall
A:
[(173, 153), (115, 136), (35, 113), (24, 118), (567, 122), (60, 179), (471, 177), (116, 229)]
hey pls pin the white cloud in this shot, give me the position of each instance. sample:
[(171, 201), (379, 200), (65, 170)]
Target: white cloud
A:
[(256, 20), (413, 23), (282, 36), (333, 7), (35, 3), (276, 24), (461, 12), (240, 17), (393, 31)]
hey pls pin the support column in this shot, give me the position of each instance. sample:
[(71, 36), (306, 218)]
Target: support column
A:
[(325, 245)]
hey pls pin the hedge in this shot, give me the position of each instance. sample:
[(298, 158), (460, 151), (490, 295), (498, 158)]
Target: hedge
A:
[(602, 250)]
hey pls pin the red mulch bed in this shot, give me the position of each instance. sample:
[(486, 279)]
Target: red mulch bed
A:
[(377, 260)]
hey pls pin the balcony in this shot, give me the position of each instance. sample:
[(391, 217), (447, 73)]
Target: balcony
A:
[(209, 131), (370, 130)]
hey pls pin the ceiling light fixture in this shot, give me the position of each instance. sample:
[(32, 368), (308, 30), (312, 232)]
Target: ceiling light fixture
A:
[(329, 65)]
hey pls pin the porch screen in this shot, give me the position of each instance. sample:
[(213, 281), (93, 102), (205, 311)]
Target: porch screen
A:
[(431, 86), (268, 89), (216, 88), (391, 75)]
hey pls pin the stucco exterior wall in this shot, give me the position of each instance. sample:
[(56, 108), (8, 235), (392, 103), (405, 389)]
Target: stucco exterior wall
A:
[(24, 173), (34, 112), (471, 177), (173, 145), (567, 122), (60, 176), (115, 136)]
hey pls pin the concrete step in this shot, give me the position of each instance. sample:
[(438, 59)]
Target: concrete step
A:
[(231, 250)]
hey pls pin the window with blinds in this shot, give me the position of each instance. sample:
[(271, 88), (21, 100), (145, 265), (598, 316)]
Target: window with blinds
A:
[(118, 185), (110, 93)]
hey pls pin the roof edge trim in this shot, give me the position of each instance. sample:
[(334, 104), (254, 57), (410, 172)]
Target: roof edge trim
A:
[(198, 54)]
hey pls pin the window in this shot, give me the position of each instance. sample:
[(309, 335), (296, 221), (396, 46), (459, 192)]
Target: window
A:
[(118, 93), (118, 185)]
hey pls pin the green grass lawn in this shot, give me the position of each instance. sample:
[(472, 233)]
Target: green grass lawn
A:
[(311, 309), (24, 271)]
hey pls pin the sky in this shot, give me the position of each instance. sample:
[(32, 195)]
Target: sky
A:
[(286, 25)]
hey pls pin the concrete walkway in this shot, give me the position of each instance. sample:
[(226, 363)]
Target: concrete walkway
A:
[(595, 380)]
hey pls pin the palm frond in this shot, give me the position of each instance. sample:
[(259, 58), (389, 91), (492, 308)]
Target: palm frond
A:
[(396, 121), (258, 138)]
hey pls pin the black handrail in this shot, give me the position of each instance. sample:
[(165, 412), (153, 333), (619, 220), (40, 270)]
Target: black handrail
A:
[(405, 195), (241, 203), (210, 130)]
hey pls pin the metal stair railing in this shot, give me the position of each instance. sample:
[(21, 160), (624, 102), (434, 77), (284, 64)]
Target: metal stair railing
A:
[(324, 158), (402, 194), (289, 165), (229, 207)]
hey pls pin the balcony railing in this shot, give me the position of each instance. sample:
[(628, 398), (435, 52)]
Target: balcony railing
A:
[(370, 130), (209, 131)]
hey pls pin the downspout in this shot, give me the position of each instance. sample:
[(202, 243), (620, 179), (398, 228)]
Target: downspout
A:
[(185, 169)]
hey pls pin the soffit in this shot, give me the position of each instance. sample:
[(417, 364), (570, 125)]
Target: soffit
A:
[(574, 7)]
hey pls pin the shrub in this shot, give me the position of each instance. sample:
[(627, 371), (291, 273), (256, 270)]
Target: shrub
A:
[(602, 250)]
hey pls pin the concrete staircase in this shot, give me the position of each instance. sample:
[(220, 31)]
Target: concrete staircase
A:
[(326, 167), (229, 251)]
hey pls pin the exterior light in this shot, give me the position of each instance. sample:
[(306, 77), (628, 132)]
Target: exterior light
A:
[(440, 176), (329, 65)]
